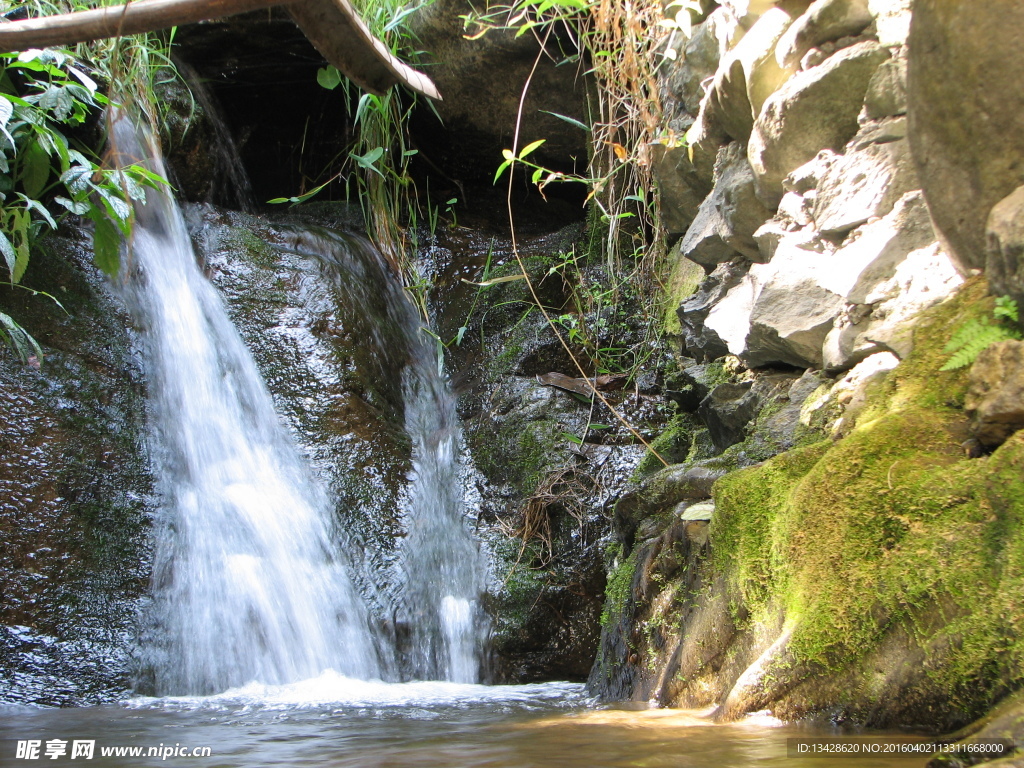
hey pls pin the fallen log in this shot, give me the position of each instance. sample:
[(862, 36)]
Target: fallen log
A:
[(333, 27)]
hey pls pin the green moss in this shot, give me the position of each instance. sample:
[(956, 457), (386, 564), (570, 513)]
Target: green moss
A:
[(620, 580), (675, 444), (682, 283), (892, 526)]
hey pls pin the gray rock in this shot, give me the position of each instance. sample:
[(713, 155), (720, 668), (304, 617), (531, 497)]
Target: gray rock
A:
[(863, 185), (704, 139), (699, 340), (871, 254), (728, 410), (780, 312), (884, 322), (698, 58), (887, 92), (729, 216), (749, 73), (892, 20), (1004, 264), (816, 109), (660, 493), (995, 400), (789, 322), (681, 191), (825, 20), (965, 98)]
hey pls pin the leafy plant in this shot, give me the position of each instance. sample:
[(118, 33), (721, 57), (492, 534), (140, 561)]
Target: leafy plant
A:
[(45, 95), (974, 336)]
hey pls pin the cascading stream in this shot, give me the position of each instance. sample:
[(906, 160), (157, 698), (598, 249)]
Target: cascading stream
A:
[(248, 581)]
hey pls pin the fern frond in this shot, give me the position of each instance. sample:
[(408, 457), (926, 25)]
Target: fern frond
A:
[(1006, 309), (971, 338)]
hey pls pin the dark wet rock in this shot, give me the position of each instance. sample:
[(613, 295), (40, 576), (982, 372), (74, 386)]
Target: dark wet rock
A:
[(727, 410), (544, 475), (75, 489), (658, 495), (317, 310)]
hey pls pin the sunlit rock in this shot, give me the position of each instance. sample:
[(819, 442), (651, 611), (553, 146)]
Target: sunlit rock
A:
[(815, 109), (995, 400), (825, 20)]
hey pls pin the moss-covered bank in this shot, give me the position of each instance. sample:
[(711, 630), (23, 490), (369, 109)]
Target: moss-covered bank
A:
[(875, 576)]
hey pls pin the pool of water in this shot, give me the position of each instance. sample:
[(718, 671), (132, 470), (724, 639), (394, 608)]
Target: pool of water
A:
[(342, 723)]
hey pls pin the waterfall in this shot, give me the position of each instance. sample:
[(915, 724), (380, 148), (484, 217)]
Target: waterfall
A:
[(248, 584), (250, 580), (442, 567)]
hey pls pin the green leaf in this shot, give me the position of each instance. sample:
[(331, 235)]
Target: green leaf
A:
[(35, 170), (21, 262), (79, 208), (10, 255), (569, 120), (496, 280), (572, 438), (6, 110), (19, 339), (329, 77), (529, 148), (501, 170), (106, 245)]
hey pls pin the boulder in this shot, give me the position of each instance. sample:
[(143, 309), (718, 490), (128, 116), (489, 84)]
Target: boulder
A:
[(871, 254), (727, 410), (780, 312), (697, 59), (749, 73), (814, 110), (727, 218), (863, 185), (965, 98), (886, 318), (681, 191), (700, 341), (887, 92), (1004, 263), (825, 20), (995, 400), (703, 140), (892, 20)]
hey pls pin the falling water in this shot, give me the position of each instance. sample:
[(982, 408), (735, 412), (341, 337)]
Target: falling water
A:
[(248, 581), (442, 566)]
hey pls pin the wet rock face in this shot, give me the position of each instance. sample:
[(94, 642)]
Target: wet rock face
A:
[(547, 461), (75, 491), (316, 310)]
